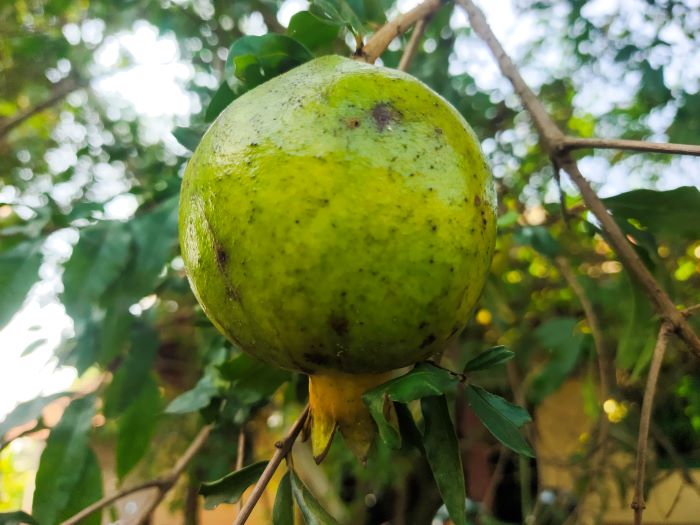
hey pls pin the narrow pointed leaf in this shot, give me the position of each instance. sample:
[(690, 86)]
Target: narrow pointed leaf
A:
[(19, 270), (283, 510), (496, 420), (27, 411), (442, 451), (87, 491), (424, 380), (62, 461), (488, 359), (314, 513), (231, 487)]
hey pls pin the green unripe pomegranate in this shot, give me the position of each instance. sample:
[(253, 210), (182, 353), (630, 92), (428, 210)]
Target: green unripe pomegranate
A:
[(339, 220)]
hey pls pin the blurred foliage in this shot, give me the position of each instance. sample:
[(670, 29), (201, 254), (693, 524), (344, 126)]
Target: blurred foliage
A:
[(70, 154)]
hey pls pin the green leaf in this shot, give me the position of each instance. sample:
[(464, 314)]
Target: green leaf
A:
[(252, 380), (496, 420), (134, 373), (639, 334), (231, 487), (539, 238), (27, 411), (192, 400), (442, 451), (113, 333), (135, 428), (63, 461), (488, 359), (189, 137), (255, 59), (283, 509), (312, 31), (514, 413), (98, 259), (340, 12), (19, 270), (565, 344), (685, 127), (16, 517), (424, 380), (669, 214), (87, 490), (155, 236), (219, 102), (311, 509)]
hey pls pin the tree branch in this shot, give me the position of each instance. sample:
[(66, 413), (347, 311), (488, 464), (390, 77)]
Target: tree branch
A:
[(163, 484), (283, 447), (62, 90), (572, 143), (645, 419), (552, 139), (605, 360), (380, 40), (413, 44)]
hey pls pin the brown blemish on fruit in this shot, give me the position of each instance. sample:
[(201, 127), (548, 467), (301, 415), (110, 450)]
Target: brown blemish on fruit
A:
[(317, 359), (353, 123), (428, 341), (384, 114), (477, 200), (339, 324)]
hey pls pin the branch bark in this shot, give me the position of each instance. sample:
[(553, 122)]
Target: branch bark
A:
[(62, 90), (163, 484), (647, 405), (413, 44), (572, 143), (552, 139), (380, 40), (283, 448)]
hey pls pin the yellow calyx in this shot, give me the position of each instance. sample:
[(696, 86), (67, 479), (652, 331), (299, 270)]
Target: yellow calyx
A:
[(335, 401)]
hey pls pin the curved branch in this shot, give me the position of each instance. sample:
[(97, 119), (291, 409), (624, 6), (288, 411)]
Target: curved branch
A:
[(380, 40), (413, 43), (283, 447), (61, 91), (163, 484), (551, 139), (572, 143), (652, 379)]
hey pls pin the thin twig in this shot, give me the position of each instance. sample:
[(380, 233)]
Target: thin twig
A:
[(645, 419), (62, 90), (551, 138), (380, 40), (240, 452), (413, 44), (571, 143), (605, 360), (496, 478), (163, 484), (283, 447), (662, 439)]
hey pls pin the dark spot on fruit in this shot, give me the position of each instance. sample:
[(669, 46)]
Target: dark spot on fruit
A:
[(477, 200), (221, 256), (339, 324), (353, 123), (438, 131), (317, 359), (253, 144), (455, 329), (423, 324), (428, 341), (384, 114)]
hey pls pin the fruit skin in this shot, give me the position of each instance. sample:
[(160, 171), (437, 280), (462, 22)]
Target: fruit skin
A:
[(338, 218)]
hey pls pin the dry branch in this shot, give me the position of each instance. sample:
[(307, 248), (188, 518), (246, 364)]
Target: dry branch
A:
[(413, 44), (552, 140), (647, 405), (571, 143), (283, 447), (163, 484), (380, 40)]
